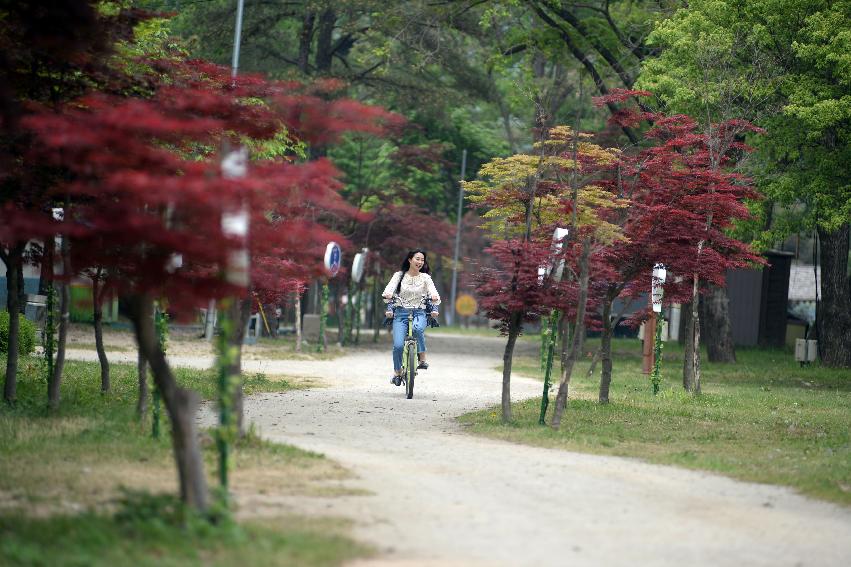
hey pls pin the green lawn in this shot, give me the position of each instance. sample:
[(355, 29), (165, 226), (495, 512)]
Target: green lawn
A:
[(764, 419), (89, 486)]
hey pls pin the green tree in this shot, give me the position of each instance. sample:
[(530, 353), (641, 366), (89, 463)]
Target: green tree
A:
[(786, 65)]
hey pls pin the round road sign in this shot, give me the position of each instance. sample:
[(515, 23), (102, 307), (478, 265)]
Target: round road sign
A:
[(333, 258), (466, 305)]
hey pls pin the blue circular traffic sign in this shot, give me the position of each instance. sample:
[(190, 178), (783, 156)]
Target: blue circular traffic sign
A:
[(333, 258)]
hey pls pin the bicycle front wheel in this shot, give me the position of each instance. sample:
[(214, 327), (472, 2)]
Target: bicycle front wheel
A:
[(412, 371)]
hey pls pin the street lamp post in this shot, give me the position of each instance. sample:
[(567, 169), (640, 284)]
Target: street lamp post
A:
[(450, 313)]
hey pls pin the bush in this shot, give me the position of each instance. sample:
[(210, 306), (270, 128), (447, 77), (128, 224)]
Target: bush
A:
[(26, 335)]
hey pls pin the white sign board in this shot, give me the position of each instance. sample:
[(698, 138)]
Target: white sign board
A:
[(358, 265), (659, 276)]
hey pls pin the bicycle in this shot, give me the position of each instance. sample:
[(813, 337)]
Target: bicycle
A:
[(410, 349)]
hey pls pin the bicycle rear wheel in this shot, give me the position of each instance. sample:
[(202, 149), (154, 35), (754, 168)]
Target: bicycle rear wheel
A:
[(412, 371)]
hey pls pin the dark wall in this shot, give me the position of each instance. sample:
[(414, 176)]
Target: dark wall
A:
[(744, 289)]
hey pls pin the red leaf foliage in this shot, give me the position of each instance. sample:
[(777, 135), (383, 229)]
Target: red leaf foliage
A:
[(146, 186)]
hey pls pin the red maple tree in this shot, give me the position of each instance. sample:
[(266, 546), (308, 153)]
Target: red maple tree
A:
[(144, 178), (684, 198)]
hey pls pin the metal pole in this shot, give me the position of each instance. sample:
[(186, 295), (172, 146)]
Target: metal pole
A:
[(450, 313), (237, 38)]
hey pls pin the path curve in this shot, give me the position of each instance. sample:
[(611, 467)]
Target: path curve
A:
[(437, 496)]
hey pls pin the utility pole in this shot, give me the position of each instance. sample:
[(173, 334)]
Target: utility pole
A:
[(237, 39), (450, 313)]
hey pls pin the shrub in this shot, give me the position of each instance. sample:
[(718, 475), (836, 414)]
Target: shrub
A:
[(26, 334)]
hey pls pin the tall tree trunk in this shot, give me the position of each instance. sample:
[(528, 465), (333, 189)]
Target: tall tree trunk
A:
[(685, 319), (14, 264), (578, 332), (97, 315), (715, 327), (564, 346), (606, 351), (515, 325), (691, 364), (142, 402), (834, 310), (687, 335), (181, 404), (64, 323), (324, 50), (305, 41), (338, 308), (240, 312)]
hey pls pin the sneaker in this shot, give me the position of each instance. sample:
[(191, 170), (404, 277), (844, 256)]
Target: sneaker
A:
[(397, 380), (423, 365)]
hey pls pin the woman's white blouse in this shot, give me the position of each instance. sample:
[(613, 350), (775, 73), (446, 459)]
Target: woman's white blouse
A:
[(412, 290)]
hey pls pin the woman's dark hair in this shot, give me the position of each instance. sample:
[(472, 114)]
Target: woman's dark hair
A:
[(406, 264)]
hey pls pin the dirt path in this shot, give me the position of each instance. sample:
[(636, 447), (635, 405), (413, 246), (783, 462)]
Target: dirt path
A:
[(436, 496)]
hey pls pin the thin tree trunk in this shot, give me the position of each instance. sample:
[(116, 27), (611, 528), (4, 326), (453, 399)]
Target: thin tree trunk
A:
[(688, 348), (515, 325), (240, 312), (716, 329), (606, 352), (181, 404), (97, 314), (14, 264), (142, 402), (579, 330), (53, 390), (298, 322), (564, 330), (695, 336), (834, 330)]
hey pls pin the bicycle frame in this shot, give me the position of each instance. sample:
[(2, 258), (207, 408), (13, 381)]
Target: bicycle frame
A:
[(410, 355)]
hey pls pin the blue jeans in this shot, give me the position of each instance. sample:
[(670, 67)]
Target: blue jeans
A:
[(400, 332)]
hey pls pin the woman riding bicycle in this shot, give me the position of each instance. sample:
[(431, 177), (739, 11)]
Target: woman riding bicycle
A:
[(410, 290)]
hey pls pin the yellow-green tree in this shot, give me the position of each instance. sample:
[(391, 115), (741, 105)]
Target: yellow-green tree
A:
[(524, 197)]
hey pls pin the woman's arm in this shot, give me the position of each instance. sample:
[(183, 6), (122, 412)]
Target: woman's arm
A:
[(388, 292), (432, 291)]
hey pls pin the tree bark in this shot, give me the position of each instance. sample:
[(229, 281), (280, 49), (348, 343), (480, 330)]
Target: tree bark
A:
[(715, 327), (181, 404), (14, 264), (97, 315), (834, 309), (324, 51), (578, 332), (240, 312), (515, 325), (142, 402), (688, 348), (685, 318), (691, 362), (606, 352), (53, 388), (305, 41)]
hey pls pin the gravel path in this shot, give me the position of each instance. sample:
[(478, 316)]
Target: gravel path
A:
[(436, 496)]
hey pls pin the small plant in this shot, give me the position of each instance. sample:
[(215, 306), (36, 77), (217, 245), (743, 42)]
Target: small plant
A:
[(26, 335)]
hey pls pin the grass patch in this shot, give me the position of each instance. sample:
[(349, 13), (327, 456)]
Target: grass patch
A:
[(64, 481), (148, 531), (764, 419)]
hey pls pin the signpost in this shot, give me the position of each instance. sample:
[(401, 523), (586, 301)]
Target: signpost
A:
[(657, 292), (333, 260), (548, 334)]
